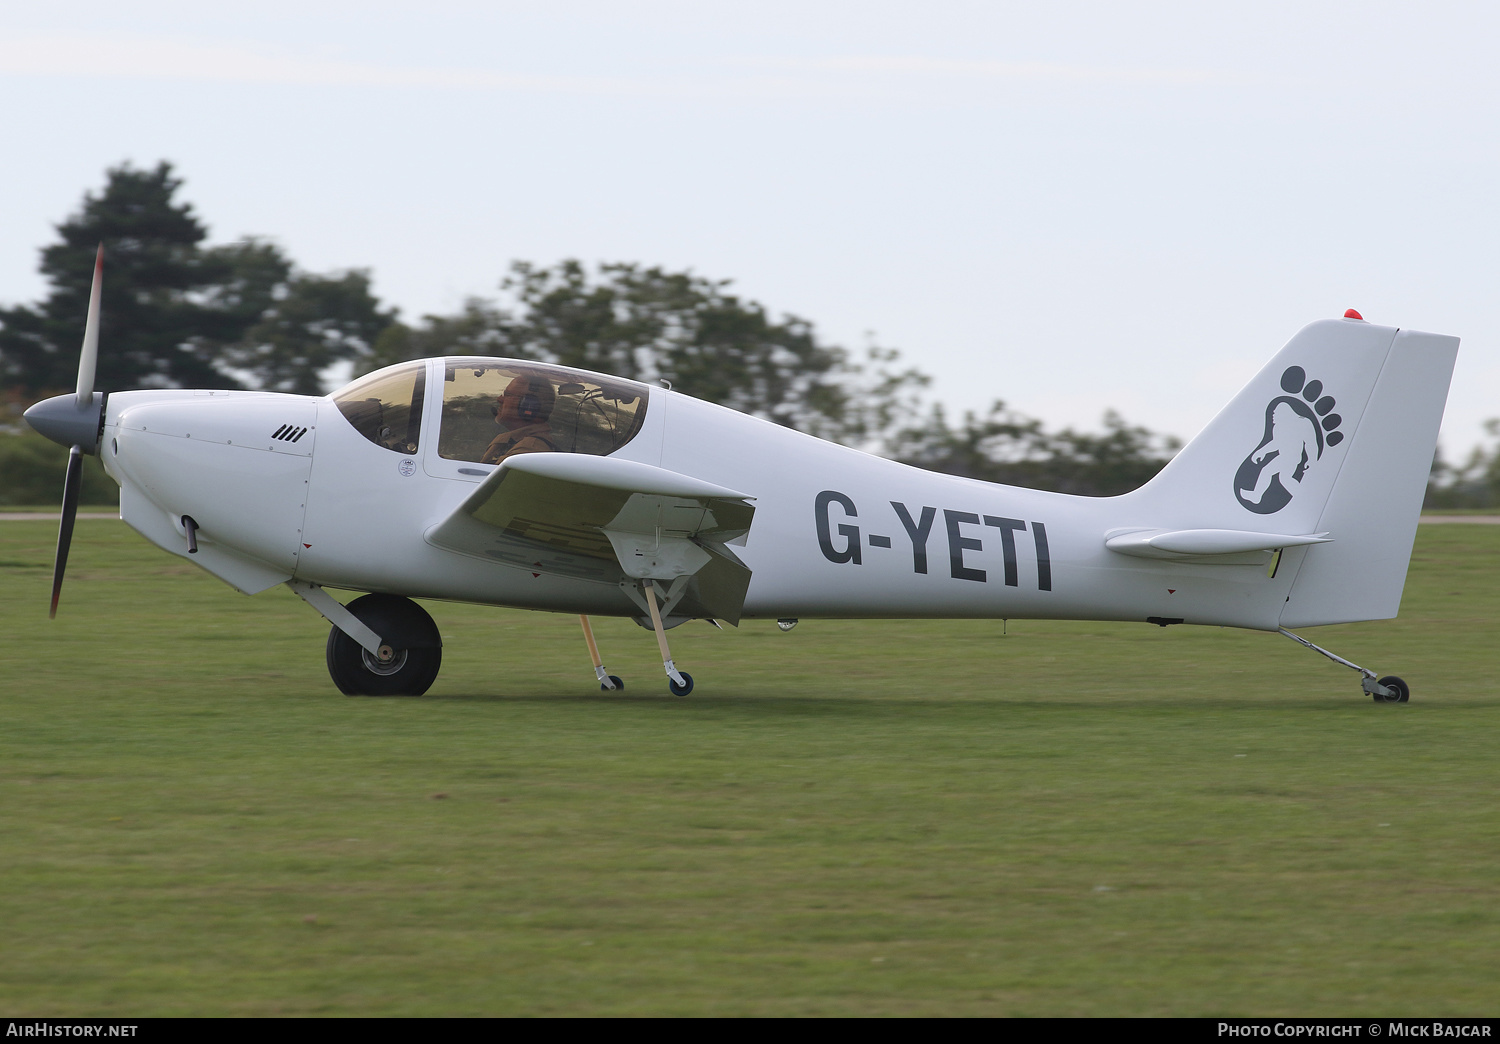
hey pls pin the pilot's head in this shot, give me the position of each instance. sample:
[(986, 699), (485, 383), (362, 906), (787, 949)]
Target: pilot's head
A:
[(526, 400)]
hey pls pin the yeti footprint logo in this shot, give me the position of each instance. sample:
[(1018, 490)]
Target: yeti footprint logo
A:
[(1298, 428)]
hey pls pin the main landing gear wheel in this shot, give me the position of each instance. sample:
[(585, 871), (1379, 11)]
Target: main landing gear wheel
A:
[(683, 689), (1401, 689), (618, 684), (407, 665)]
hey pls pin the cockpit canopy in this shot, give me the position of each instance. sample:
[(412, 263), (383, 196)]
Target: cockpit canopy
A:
[(386, 406), (571, 410), (550, 408)]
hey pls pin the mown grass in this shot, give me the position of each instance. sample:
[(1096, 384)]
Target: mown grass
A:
[(856, 817)]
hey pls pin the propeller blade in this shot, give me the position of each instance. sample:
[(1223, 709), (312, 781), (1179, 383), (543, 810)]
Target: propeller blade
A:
[(89, 357), (65, 527)]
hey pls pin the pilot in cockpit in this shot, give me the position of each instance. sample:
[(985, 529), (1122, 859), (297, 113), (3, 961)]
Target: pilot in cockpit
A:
[(524, 412)]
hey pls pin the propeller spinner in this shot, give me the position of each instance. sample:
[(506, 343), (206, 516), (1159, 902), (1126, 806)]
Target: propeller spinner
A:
[(74, 421)]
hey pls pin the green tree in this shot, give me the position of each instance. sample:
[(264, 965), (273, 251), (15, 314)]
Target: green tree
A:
[(1473, 484), (32, 469), (310, 322), (648, 324), (157, 328), (480, 329), (175, 312), (1004, 446)]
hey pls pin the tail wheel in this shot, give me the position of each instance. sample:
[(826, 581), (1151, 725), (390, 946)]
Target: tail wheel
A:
[(1400, 688), (415, 649)]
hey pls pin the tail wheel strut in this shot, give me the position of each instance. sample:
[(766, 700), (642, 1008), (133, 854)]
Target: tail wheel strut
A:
[(1389, 689)]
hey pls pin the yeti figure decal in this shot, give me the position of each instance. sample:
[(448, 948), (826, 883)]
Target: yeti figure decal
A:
[(1299, 426)]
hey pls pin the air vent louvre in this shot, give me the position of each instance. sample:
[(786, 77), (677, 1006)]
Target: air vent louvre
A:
[(288, 433)]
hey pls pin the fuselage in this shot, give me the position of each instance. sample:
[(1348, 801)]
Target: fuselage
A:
[(285, 487)]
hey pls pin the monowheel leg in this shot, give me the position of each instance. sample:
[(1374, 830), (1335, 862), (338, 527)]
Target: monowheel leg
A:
[(607, 682), (678, 682)]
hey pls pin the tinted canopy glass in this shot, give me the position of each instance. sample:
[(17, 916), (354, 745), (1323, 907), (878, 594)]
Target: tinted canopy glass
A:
[(386, 406), (494, 408)]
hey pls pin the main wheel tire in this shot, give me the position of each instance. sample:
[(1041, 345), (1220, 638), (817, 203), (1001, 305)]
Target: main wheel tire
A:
[(416, 646), (619, 685), (1403, 691), (683, 689)]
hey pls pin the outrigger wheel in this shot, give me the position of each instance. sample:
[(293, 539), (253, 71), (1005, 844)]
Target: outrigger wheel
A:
[(408, 663)]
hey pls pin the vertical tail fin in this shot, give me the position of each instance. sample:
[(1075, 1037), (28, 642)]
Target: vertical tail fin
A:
[(1335, 435)]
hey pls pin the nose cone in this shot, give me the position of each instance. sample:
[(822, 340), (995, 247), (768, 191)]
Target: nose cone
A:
[(60, 419)]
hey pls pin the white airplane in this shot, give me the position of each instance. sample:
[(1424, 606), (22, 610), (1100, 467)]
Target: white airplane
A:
[(521, 484)]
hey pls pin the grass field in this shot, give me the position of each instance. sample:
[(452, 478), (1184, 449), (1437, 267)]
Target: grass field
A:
[(856, 817)]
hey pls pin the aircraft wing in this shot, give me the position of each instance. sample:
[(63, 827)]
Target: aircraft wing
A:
[(614, 521)]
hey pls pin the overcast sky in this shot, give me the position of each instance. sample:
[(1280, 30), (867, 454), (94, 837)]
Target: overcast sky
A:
[(1071, 206)]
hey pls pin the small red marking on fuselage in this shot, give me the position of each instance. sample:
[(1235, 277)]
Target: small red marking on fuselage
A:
[(307, 545), (1171, 590)]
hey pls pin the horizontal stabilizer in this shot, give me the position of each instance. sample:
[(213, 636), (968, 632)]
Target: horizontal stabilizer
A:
[(1184, 543)]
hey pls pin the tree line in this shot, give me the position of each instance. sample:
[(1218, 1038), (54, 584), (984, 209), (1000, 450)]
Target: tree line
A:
[(1473, 483), (178, 311)]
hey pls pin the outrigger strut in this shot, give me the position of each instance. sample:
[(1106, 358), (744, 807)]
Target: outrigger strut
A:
[(678, 679), (607, 681), (1368, 682)]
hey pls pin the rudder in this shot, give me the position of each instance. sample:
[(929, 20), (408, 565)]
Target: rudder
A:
[(1374, 506)]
